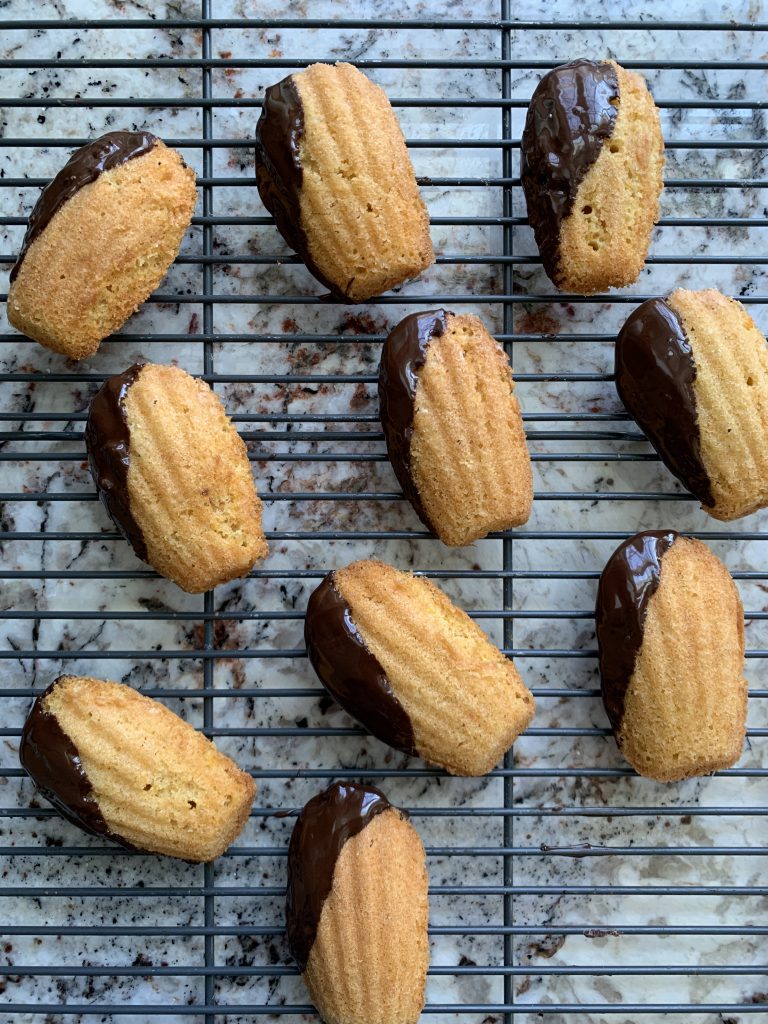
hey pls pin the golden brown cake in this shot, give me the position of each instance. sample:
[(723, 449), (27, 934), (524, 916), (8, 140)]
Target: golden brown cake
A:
[(100, 240), (693, 371), (592, 157), (174, 476), (333, 170), (453, 426), (670, 634), (123, 766), (357, 907), (414, 669)]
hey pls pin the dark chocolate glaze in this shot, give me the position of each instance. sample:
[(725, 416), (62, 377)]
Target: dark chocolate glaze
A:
[(279, 133), (84, 166), (655, 371), (50, 757), (107, 441), (350, 672), (402, 356), (321, 830), (571, 114), (628, 582)]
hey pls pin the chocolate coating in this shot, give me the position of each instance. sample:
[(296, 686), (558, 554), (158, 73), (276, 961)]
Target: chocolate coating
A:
[(84, 166), (279, 134), (402, 356), (628, 582), (655, 373), (571, 114), (323, 827), (50, 757), (350, 672), (107, 441)]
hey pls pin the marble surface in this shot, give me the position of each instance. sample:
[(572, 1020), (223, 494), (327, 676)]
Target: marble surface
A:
[(563, 787)]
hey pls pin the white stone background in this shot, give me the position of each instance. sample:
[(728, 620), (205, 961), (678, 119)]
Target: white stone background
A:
[(561, 785)]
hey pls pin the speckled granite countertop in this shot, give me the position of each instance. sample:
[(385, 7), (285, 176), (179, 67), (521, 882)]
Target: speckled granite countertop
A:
[(567, 773)]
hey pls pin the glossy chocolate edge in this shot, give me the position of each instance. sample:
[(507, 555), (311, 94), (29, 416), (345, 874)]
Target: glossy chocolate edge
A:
[(279, 134), (84, 166), (569, 118), (107, 441), (403, 354), (349, 671), (655, 373), (628, 582), (323, 827), (53, 763)]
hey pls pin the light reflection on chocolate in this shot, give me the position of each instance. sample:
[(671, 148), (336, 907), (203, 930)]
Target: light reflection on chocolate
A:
[(279, 135), (571, 114), (50, 757), (107, 441), (404, 353), (628, 582), (349, 671), (655, 374), (83, 167), (321, 830)]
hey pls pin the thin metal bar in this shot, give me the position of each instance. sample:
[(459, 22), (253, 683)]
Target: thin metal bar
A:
[(590, 931), (433, 63), (579, 852), (432, 143), (464, 182), (209, 876), (485, 970), (404, 24), (242, 298), (508, 327), (253, 103), (285, 1009), (427, 812), (435, 891), (312, 731), (70, 496)]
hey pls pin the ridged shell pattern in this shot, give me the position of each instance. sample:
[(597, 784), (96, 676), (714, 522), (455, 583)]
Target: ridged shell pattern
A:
[(369, 961), (468, 453), (466, 701), (159, 783), (189, 481), (731, 389), (685, 707), (365, 221)]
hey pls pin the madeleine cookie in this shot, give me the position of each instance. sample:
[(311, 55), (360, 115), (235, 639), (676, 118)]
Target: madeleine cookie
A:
[(357, 907), (670, 637), (414, 669), (100, 240), (692, 370), (333, 170), (174, 476), (453, 426), (592, 154), (120, 765)]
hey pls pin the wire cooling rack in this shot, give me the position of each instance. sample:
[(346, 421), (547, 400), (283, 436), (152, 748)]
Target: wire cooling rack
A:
[(562, 886)]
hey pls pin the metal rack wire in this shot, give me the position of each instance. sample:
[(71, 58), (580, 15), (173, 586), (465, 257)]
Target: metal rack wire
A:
[(552, 841)]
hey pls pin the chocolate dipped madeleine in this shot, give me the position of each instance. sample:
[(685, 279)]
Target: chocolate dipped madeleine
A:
[(333, 170), (357, 907), (120, 765), (692, 369), (174, 476), (100, 239), (592, 156), (414, 669), (670, 637), (453, 426)]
